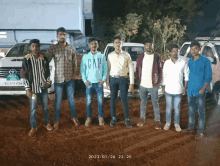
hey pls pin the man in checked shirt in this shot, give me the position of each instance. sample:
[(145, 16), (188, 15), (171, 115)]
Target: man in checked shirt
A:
[(65, 72)]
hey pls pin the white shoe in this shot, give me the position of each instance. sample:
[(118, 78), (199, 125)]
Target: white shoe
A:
[(88, 122), (177, 127), (167, 126), (101, 121)]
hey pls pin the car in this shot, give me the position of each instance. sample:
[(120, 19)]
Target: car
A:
[(134, 49), (11, 82), (210, 49)]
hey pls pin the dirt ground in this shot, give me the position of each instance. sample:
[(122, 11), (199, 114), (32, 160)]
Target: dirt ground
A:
[(95, 145)]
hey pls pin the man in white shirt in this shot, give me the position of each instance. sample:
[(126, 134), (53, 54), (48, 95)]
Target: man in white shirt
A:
[(173, 71), (119, 64)]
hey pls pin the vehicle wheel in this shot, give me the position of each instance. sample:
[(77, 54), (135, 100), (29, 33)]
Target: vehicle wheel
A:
[(216, 95)]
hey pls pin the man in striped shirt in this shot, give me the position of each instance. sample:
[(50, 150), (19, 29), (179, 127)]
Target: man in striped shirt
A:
[(36, 74), (65, 72)]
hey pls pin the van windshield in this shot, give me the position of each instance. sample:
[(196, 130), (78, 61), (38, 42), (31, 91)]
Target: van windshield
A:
[(20, 50), (217, 47), (134, 51), (184, 49)]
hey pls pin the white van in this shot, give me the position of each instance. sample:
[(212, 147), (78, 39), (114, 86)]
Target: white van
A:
[(134, 49)]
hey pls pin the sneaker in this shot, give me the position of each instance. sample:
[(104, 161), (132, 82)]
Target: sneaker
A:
[(32, 132), (141, 122), (101, 121), (75, 121), (113, 122), (167, 126), (199, 136), (48, 127), (88, 122), (157, 125), (56, 125), (127, 123), (177, 127)]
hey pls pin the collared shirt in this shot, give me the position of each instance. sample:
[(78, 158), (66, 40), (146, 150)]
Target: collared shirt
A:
[(147, 67), (173, 75), (38, 75), (200, 72), (120, 65), (65, 61)]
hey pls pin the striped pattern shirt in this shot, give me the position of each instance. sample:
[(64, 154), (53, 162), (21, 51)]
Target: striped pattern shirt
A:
[(38, 75), (65, 61)]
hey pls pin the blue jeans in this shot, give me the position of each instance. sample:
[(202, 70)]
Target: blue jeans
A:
[(121, 84), (89, 98), (173, 100), (44, 102), (192, 102), (154, 98), (70, 89)]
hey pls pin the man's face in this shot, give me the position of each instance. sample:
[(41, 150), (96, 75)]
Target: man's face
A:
[(62, 37), (93, 45), (117, 44), (35, 48), (148, 47), (174, 53), (194, 50)]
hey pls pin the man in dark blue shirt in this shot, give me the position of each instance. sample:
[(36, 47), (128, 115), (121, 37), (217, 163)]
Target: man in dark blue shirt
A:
[(200, 75)]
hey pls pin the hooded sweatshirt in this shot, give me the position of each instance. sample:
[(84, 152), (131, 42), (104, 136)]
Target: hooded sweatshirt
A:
[(94, 67)]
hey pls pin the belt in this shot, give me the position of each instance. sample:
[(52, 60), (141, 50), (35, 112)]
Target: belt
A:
[(118, 76)]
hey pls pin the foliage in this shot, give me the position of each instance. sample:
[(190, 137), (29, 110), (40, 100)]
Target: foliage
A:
[(168, 29), (216, 32), (163, 21), (129, 27), (102, 45)]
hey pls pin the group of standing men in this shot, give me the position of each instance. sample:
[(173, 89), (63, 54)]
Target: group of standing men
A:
[(118, 73)]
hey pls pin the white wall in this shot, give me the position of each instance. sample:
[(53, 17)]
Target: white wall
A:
[(41, 14)]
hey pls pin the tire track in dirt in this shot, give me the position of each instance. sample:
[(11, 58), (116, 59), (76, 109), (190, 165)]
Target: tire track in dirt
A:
[(120, 134), (149, 141), (166, 144), (136, 134), (113, 133), (92, 133)]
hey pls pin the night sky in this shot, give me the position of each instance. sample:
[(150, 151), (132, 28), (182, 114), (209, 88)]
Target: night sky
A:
[(199, 26)]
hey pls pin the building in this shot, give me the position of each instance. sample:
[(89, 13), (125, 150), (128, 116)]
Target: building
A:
[(28, 19)]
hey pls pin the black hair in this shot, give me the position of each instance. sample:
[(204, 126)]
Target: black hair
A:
[(116, 37), (61, 29), (93, 39), (175, 46), (195, 43), (34, 41)]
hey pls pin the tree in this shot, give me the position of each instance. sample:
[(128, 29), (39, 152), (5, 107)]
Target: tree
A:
[(165, 31), (129, 27), (216, 32), (167, 28)]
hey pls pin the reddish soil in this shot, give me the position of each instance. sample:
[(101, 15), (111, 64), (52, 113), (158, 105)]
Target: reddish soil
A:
[(95, 145)]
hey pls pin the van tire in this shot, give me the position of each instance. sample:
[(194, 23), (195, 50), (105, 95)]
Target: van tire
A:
[(216, 95)]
